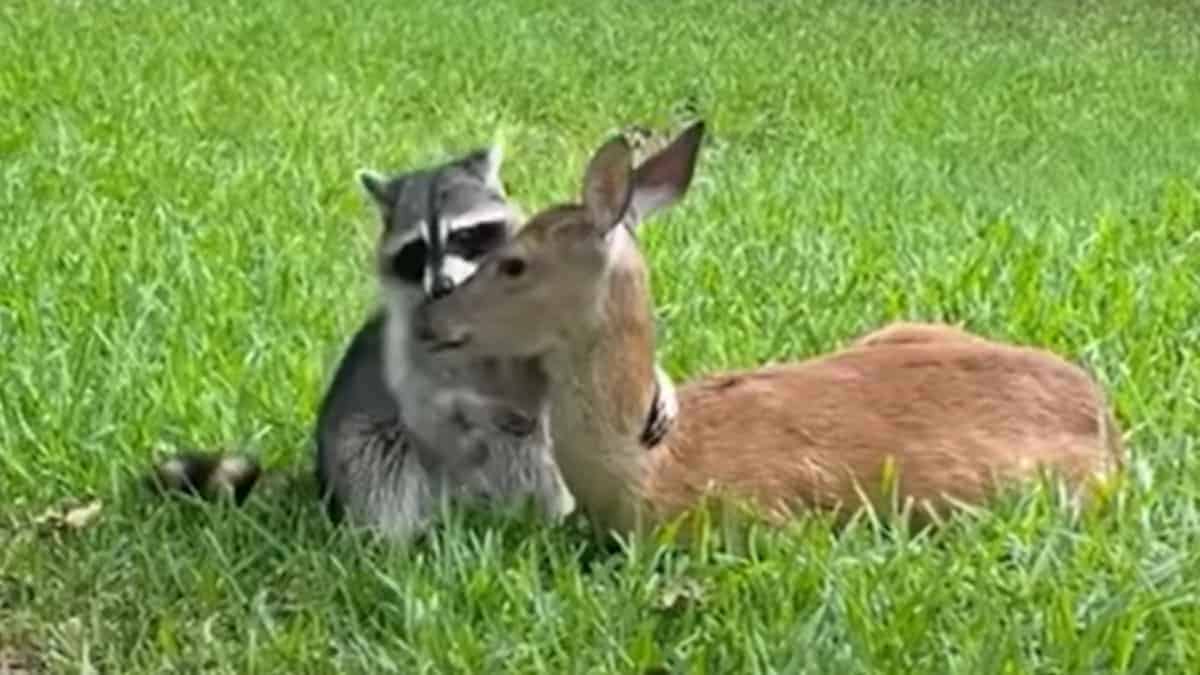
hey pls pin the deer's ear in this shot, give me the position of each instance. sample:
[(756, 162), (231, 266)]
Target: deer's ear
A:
[(608, 183), (382, 190), (666, 176)]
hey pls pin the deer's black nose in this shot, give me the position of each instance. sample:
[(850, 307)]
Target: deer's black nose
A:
[(442, 285)]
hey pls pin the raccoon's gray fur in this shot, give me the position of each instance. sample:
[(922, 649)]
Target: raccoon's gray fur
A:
[(477, 433)]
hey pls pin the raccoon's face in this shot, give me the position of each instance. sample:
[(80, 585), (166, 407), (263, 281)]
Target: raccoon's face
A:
[(439, 222), (443, 250)]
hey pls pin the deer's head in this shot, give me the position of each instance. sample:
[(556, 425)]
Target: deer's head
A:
[(550, 282)]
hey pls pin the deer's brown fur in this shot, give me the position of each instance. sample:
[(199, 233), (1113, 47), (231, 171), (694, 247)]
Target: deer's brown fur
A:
[(956, 418)]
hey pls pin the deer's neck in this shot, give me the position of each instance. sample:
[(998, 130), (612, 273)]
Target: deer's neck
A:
[(602, 385)]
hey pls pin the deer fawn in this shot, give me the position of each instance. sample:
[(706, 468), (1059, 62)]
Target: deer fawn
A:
[(953, 415)]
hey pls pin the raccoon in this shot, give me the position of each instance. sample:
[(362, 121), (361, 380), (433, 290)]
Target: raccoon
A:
[(441, 433)]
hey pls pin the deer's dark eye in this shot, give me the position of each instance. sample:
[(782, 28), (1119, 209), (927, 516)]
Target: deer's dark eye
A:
[(472, 242), (408, 264), (512, 267)]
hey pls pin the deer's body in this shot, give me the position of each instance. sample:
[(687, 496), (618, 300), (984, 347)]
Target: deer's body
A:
[(954, 414), (953, 418)]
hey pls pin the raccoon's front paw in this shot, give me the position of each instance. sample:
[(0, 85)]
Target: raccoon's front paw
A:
[(514, 422)]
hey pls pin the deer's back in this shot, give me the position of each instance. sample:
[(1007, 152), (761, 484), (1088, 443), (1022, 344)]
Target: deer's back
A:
[(950, 415)]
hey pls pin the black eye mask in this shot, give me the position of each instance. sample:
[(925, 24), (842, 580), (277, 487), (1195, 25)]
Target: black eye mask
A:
[(472, 242), (408, 264)]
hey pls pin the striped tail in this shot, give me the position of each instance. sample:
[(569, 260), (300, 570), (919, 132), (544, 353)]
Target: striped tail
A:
[(206, 475)]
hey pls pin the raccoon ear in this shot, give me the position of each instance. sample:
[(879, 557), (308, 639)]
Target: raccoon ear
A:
[(485, 164), (381, 189)]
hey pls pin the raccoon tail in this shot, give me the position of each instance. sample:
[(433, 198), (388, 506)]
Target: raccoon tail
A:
[(206, 475)]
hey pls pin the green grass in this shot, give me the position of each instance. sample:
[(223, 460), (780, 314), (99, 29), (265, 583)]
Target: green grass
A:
[(184, 253)]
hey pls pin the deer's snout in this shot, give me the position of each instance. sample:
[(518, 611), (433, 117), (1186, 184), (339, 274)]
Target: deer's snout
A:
[(428, 329)]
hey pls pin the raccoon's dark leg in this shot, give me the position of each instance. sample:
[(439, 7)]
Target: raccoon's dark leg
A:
[(378, 481), (357, 390)]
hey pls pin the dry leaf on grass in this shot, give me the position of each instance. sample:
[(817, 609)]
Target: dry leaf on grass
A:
[(644, 141), (14, 661), (71, 518), (680, 594)]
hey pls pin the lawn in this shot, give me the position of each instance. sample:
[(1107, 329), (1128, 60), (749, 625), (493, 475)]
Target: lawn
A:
[(185, 253)]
